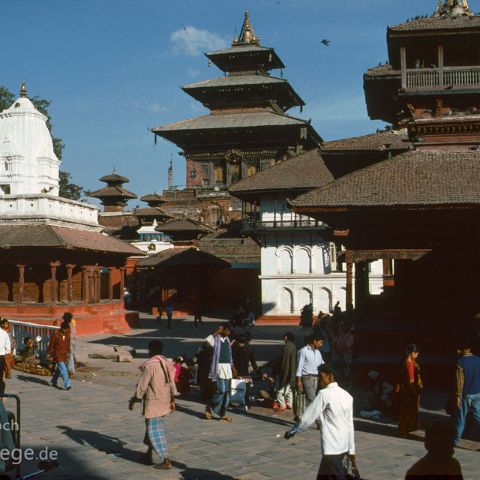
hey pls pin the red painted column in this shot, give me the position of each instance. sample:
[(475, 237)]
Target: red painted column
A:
[(122, 281), (21, 282), (70, 268), (85, 287), (110, 283), (53, 270)]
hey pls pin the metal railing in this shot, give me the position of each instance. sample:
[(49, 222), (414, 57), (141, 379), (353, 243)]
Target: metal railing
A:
[(448, 76), (20, 330)]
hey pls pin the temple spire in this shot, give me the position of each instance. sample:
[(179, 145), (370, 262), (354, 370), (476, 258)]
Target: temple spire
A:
[(247, 34), (23, 90)]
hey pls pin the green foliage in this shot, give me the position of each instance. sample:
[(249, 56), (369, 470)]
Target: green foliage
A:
[(68, 189)]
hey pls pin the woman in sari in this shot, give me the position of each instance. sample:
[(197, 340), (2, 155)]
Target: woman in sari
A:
[(408, 391)]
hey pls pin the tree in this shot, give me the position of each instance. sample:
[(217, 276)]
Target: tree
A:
[(67, 189)]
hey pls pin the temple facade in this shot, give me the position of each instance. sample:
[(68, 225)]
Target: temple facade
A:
[(54, 255), (417, 208)]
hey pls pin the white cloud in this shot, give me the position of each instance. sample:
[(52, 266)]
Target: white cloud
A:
[(192, 41)]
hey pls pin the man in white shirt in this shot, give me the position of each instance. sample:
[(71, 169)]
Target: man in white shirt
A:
[(333, 408), (5, 348)]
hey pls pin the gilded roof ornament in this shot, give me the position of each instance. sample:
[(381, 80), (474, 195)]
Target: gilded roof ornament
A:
[(23, 90), (452, 8), (247, 34)]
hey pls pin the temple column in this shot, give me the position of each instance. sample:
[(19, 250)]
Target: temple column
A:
[(85, 286), (70, 268), (91, 285), (21, 282), (110, 282), (440, 65), (53, 271), (349, 284), (98, 287), (122, 281), (403, 66)]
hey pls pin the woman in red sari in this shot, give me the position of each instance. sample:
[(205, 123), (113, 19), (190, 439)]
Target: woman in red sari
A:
[(408, 390)]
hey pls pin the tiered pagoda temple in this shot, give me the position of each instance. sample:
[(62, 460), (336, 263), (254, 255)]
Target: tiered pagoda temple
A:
[(418, 208), (247, 129)]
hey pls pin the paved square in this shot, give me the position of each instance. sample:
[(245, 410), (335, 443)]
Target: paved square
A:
[(98, 438)]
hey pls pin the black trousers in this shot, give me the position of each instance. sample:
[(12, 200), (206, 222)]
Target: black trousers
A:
[(2, 374), (331, 467)]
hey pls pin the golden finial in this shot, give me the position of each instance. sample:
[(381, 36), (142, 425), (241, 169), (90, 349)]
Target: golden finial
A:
[(23, 90), (247, 35)]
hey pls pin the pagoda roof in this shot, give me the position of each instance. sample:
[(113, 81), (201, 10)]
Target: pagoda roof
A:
[(183, 257), (440, 23), (227, 59), (49, 236), (114, 178), (302, 172), (197, 90), (182, 225), (112, 191), (151, 212), (415, 179), (373, 142), (153, 197), (231, 120)]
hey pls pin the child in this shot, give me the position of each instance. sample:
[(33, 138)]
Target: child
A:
[(181, 376)]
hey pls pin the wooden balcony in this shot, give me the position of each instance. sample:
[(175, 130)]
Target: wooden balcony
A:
[(424, 78)]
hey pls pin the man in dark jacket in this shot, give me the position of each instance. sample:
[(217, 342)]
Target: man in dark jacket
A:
[(59, 350), (286, 373), (243, 356)]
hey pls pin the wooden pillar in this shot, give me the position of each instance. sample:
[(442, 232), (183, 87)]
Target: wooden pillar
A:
[(53, 271), (95, 284), (440, 65), (122, 281), (85, 286), (70, 268), (403, 66), (91, 285), (349, 284), (21, 282), (110, 282)]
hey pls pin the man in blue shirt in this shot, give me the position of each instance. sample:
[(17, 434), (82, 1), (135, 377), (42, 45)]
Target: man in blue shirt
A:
[(468, 387), (309, 358)]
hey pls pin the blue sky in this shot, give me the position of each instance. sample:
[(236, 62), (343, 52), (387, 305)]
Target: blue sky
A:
[(113, 68)]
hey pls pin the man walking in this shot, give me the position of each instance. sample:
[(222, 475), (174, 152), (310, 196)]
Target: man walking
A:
[(286, 373), (309, 358), (333, 408), (59, 350), (169, 311), (221, 372), (157, 388), (468, 388)]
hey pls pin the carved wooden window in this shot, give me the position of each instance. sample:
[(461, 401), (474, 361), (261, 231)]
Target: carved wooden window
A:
[(219, 174)]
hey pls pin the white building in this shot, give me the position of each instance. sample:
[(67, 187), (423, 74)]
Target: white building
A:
[(298, 262)]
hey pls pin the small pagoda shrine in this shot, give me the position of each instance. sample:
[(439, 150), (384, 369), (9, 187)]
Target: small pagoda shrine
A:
[(114, 197)]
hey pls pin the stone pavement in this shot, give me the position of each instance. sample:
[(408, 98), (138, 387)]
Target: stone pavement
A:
[(98, 438)]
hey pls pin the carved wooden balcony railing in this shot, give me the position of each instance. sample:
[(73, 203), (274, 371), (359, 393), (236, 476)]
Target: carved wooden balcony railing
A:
[(447, 77)]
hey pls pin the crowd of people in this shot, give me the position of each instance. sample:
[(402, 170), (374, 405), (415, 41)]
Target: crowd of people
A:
[(313, 382)]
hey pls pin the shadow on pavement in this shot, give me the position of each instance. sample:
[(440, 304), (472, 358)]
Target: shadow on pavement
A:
[(103, 443), (32, 379), (188, 473)]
